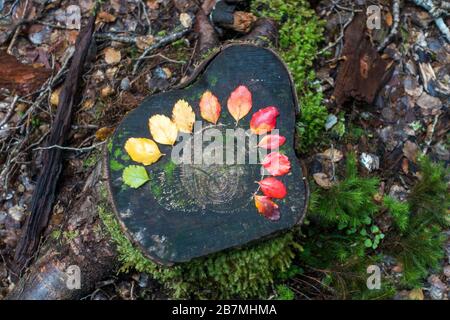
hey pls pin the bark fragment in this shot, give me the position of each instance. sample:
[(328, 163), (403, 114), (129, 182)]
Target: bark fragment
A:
[(18, 77), (363, 72)]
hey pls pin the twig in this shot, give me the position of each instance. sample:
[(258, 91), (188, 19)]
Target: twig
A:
[(437, 13), (55, 26), (11, 9), (17, 29), (161, 43), (394, 29), (144, 8), (84, 149), (341, 35), (339, 6), (165, 58), (430, 139), (116, 37), (10, 112)]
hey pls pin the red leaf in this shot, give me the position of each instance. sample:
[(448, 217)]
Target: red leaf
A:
[(276, 164), (271, 141), (264, 120), (267, 207), (272, 187), (240, 102)]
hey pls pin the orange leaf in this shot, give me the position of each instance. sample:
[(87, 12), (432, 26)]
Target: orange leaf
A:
[(240, 102), (272, 187), (276, 164), (267, 207), (271, 141), (264, 120), (210, 107)]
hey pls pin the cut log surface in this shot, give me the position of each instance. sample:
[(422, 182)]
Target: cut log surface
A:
[(191, 210)]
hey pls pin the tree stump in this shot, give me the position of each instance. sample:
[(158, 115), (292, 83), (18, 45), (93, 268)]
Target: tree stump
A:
[(192, 210)]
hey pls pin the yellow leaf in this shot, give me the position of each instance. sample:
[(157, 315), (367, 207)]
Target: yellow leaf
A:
[(143, 150), (183, 116), (54, 98), (416, 294), (163, 130)]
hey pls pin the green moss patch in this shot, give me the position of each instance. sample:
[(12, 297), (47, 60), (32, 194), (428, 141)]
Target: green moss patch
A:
[(300, 35)]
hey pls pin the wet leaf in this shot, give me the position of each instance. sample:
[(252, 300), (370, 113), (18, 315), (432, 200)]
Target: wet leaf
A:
[(210, 107), (276, 164), (416, 294), (333, 155), (389, 19), (240, 102), (267, 207), (142, 42), (105, 17), (185, 20), (142, 150), (135, 176), (183, 116), (271, 141), (264, 120), (54, 97), (163, 130), (410, 151), (112, 56), (273, 188), (103, 133), (322, 180)]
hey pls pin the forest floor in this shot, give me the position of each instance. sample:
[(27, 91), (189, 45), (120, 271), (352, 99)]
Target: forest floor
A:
[(408, 117)]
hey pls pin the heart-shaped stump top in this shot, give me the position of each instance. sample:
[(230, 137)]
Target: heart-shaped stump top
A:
[(188, 210)]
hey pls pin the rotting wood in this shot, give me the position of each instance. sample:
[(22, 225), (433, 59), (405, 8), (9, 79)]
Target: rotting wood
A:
[(225, 15), (19, 77), (362, 72), (263, 33), (44, 194)]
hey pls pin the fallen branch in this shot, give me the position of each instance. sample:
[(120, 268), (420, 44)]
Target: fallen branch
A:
[(44, 194), (161, 43)]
